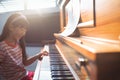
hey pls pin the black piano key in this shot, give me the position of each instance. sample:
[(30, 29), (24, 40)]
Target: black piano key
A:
[(63, 78), (54, 55), (59, 68), (57, 63), (61, 74), (54, 49), (56, 59), (54, 52)]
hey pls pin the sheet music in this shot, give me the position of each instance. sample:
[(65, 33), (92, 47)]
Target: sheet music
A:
[(73, 9)]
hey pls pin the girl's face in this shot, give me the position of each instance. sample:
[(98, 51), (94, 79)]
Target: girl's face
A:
[(19, 32), (18, 27)]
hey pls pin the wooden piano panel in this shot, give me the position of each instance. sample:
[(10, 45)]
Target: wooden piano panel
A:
[(99, 54), (87, 10), (72, 56), (107, 20), (99, 45)]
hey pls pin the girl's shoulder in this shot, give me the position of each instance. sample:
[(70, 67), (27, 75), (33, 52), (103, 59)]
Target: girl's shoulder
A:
[(2, 45)]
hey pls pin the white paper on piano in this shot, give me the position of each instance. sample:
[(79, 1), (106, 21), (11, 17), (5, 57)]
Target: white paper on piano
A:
[(73, 9)]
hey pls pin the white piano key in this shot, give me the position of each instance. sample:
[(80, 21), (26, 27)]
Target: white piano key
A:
[(37, 71), (42, 71)]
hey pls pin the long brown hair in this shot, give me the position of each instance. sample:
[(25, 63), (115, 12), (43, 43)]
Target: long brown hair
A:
[(6, 32)]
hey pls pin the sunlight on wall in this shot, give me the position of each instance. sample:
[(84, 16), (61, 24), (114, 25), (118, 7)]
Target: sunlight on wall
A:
[(16, 5), (37, 4)]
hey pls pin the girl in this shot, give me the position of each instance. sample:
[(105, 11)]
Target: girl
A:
[(13, 56)]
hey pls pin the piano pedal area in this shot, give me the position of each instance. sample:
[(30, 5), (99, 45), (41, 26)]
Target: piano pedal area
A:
[(58, 67)]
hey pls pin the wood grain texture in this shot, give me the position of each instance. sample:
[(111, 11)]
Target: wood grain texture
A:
[(99, 44), (107, 20)]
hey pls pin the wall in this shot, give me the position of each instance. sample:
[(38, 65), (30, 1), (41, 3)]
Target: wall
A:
[(43, 23)]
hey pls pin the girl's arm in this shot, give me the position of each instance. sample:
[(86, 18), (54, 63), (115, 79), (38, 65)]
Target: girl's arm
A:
[(30, 60)]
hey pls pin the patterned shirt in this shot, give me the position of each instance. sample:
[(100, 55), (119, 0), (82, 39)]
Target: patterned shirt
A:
[(11, 66)]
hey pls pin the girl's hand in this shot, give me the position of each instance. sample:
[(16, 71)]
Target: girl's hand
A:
[(44, 53)]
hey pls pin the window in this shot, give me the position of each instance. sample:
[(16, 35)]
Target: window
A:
[(15, 5), (11, 5), (37, 4)]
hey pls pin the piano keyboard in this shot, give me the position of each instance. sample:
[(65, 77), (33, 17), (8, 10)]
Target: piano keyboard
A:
[(42, 71), (59, 69), (56, 67)]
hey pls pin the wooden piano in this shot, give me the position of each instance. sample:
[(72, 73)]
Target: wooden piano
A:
[(92, 51)]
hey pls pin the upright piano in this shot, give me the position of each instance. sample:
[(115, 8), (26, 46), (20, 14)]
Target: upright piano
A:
[(92, 50)]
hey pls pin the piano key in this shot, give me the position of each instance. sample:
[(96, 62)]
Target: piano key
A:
[(54, 55), (57, 63), (56, 59), (61, 74), (43, 71), (54, 52), (63, 78), (59, 68)]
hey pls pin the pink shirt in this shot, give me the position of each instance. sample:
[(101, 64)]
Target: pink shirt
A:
[(11, 66)]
